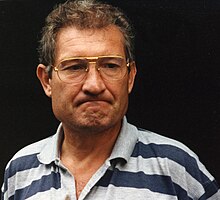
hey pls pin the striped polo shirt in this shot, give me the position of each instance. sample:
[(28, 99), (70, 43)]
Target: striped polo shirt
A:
[(142, 166)]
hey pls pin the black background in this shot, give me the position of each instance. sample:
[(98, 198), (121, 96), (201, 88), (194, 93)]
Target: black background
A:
[(177, 87)]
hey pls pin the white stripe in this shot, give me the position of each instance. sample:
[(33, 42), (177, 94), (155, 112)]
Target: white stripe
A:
[(215, 196), (148, 137), (32, 148), (122, 193), (29, 150), (25, 178), (52, 194)]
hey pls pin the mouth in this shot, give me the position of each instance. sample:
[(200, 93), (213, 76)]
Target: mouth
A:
[(93, 102), (94, 106)]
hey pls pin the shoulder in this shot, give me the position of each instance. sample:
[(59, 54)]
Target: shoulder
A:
[(154, 145), (163, 146), (25, 167), (174, 159), (151, 145), (26, 157), (33, 148)]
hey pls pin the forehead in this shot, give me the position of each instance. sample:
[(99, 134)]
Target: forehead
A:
[(71, 41)]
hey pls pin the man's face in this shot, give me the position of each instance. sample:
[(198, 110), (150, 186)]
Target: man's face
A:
[(93, 105)]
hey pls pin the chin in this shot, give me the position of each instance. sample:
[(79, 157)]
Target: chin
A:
[(95, 125)]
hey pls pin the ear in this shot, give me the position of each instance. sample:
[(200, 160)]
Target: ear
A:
[(131, 76), (44, 78)]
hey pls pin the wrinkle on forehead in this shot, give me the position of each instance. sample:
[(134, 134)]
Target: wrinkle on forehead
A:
[(66, 37)]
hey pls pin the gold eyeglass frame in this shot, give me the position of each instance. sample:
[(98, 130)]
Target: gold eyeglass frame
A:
[(90, 59)]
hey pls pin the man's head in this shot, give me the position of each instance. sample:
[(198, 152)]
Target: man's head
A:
[(82, 14), (87, 46)]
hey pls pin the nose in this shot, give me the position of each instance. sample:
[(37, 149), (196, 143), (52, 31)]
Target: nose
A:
[(93, 83)]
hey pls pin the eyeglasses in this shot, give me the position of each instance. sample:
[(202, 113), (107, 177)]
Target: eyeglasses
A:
[(74, 70)]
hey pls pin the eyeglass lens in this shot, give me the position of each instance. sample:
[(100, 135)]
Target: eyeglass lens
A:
[(75, 69)]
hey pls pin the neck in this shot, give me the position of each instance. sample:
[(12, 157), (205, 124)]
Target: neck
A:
[(83, 154), (80, 149)]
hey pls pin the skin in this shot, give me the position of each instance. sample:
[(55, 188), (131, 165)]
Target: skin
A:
[(91, 111)]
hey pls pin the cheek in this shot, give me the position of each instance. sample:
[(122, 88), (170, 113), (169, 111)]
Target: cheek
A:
[(61, 95), (56, 93), (62, 101), (120, 92), (61, 90)]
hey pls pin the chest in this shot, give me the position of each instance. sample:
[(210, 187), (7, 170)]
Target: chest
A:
[(109, 184), (128, 182)]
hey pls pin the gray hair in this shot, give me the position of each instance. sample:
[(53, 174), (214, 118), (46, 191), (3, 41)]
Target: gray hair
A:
[(82, 14)]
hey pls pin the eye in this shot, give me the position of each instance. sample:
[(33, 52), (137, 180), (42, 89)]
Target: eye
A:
[(110, 65), (73, 65)]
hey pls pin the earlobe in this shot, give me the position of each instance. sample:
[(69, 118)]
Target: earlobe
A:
[(44, 78), (132, 74)]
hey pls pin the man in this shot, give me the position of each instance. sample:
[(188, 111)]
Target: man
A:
[(88, 70)]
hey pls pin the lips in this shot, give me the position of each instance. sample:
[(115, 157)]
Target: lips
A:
[(93, 101)]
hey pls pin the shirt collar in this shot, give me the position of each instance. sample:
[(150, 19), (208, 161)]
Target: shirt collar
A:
[(123, 147), (50, 152), (125, 143)]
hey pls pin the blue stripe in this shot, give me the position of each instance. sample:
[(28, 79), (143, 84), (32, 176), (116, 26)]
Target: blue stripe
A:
[(2, 195), (21, 164), (173, 153), (44, 184), (210, 189), (181, 193), (155, 183), (5, 187)]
